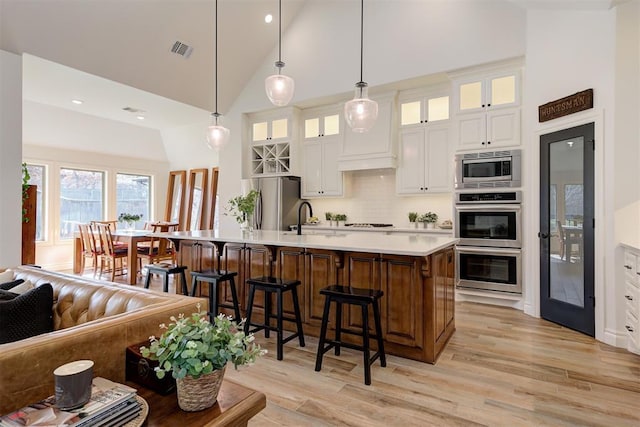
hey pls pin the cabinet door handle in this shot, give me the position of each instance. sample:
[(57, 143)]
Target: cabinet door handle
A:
[(629, 297), (488, 142), (482, 142), (629, 328), (488, 105), (482, 105), (628, 267)]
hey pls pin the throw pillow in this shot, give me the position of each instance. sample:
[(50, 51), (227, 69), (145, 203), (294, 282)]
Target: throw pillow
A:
[(7, 295), (6, 276), (27, 315), (8, 285), (22, 288)]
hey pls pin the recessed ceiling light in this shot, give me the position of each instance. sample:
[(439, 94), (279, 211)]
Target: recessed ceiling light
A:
[(268, 18), (77, 101), (140, 117)]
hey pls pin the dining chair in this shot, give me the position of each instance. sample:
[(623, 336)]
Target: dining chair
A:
[(567, 240), (90, 249), (158, 249), (110, 252)]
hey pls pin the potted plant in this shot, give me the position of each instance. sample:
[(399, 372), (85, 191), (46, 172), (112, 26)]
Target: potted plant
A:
[(340, 219), (130, 219), (429, 219), (329, 217), (242, 207), (413, 216), (196, 353)]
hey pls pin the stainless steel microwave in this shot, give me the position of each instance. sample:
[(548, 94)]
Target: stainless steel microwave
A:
[(489, 169)]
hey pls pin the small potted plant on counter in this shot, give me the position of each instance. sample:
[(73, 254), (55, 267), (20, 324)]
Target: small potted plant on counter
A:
[(413, 216), (329, 217), (241, 208), (129, 219), (340, 219), (429, 219)]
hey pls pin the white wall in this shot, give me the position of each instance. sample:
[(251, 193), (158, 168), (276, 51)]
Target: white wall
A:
[(562, 58), (10, 158), (403, 39)]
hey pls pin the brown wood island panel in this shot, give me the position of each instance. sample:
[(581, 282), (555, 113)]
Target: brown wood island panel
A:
[(417, 308)]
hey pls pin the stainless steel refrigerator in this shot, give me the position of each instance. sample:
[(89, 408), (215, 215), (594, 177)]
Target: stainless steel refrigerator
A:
[(278, 201)]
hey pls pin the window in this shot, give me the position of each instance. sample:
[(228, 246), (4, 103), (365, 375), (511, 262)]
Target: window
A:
[(573, 204), (37, 178), (81, 199), (133, 196)]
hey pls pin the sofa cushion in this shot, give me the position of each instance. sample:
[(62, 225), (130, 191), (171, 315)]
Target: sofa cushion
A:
[(6, 276), (23, 287), (27, 315), (8, 285)]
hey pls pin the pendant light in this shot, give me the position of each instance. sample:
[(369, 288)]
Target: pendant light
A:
[(217, 135), (279, 87), (361, 112)]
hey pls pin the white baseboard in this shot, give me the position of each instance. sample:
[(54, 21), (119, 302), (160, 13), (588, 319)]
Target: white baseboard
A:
[(615, 338)]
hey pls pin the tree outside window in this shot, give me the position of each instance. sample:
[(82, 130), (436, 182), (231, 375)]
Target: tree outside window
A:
[(133, 196), (81, 199)]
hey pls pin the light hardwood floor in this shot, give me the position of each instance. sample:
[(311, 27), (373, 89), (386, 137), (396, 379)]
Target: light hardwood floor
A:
[(501, 368)]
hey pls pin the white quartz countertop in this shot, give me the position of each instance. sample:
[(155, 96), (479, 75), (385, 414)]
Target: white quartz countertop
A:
[(383, 230), (340, 240)]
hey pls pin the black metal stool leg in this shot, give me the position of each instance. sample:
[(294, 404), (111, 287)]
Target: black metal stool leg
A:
[(323, 332), (165, 282), (365, 343), (296, 309), (185, 291), (194, 285), (213, 299), (147, 281)]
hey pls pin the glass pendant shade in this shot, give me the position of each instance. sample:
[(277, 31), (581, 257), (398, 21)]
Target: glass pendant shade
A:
[(217, 135), (361, 112), (279, 89)]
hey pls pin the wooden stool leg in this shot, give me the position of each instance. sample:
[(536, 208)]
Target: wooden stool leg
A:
[(234, 297), (279, 323), (365, 344), (185, 291), (267, 313), (296, 309), (247, 323), (194, 285), (323, 332), (376, 316), (338, 332), (147, 281), (213, 299)]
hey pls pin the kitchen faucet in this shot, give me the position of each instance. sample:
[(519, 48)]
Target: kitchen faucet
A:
[(299, 214)]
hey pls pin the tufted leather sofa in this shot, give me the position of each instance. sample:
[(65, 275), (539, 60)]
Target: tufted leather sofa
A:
[(92, 320)]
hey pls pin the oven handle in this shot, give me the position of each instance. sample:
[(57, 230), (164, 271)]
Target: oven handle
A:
[(471, 207), (487, 250)]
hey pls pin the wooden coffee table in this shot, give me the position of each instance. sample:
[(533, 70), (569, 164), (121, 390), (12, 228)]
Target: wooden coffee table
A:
[(235, 406)]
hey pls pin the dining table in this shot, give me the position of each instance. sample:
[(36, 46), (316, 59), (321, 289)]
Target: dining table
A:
[(130, 237)]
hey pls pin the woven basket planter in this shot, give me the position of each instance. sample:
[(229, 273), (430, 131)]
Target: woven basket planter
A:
[(196, 394)]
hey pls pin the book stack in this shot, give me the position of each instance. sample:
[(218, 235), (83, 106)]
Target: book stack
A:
[(111, 405)]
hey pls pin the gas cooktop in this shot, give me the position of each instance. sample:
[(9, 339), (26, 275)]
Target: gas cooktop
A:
[(367, 225)]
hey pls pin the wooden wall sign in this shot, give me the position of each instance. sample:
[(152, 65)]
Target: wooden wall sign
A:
[(568, 105)]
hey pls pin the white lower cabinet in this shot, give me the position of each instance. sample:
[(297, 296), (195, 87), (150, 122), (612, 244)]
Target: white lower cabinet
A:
[(425, 160), (632, 299), (320, 176)]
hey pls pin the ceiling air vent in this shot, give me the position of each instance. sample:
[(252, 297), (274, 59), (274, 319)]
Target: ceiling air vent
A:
[(181, 49)]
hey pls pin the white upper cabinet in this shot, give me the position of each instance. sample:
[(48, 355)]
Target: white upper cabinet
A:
[(418, 109), (375, 148), (487, 108), (321, 147), (272, 142)]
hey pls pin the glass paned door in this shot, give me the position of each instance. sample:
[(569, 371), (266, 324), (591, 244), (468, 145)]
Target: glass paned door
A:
[(566, 228)]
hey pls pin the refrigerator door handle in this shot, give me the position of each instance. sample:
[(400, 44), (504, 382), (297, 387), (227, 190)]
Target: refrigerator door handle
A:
[(259, 211)]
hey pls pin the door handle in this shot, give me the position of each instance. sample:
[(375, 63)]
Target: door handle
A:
[(543, 235)]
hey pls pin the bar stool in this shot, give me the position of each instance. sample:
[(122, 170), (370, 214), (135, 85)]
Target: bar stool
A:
[(213, 277), (164, 270), (352, 296), (272, 285)]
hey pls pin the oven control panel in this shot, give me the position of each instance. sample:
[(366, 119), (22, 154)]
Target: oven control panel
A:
[(492, 197)]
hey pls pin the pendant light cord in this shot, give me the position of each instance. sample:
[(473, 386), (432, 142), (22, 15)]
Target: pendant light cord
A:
[(216, 59), (279, 30), (361, 35)]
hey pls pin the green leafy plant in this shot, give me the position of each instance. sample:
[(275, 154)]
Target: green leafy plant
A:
[(25, 187), (328, 216), (129, 218), (241, 207), (340, 217), (193, 346), (413, 216), (428, 217)]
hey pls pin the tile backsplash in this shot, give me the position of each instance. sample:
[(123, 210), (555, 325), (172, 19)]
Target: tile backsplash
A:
[(370, 196)]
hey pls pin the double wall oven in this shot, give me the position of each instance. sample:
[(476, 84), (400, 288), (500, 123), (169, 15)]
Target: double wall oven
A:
[(489, 252)]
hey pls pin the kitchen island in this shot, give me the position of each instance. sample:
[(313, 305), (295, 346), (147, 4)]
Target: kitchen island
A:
[(416, 274)]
